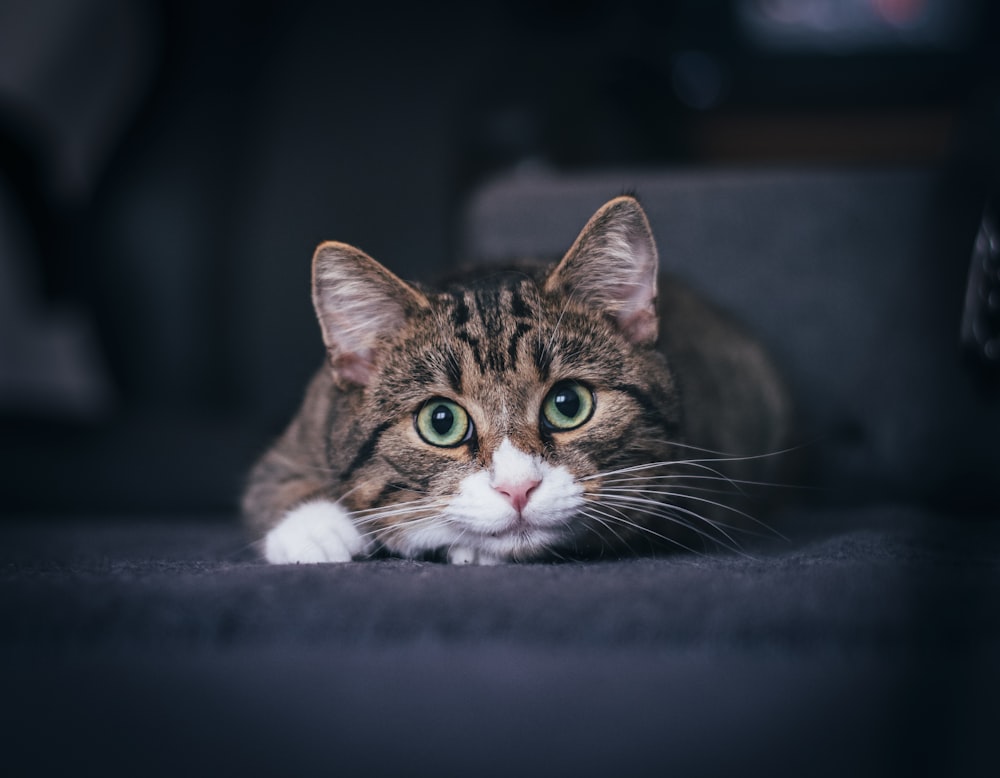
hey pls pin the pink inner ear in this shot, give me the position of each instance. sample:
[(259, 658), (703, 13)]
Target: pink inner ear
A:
[(640, 326), (637, 315), (354, 366), (358, 303)]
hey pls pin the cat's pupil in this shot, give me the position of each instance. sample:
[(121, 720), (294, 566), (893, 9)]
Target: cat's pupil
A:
[(567, 402), (442, 420)]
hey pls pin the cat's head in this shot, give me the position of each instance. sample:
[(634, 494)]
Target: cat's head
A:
[(489, 414)]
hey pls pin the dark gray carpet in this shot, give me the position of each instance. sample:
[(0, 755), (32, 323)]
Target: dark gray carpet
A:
[(865, 647)]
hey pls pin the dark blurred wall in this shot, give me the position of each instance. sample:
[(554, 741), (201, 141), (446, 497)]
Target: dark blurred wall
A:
[(166, 169)]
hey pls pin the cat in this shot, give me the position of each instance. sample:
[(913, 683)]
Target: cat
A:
[(588, 408)]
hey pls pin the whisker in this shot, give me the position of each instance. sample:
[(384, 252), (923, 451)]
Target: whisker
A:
[(729, 455), (456, 541), (618, 491), (595, 513), (416, 523), (644, 477), (399, 517), (555, 330), (403, 507), (702, 461), (669, 512), (643, 530), (682, 488), (677, 463)]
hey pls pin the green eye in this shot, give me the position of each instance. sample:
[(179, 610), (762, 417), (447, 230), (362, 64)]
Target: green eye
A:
[(443, 423), (567, 406)]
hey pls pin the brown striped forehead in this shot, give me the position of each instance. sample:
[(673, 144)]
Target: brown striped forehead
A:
[(493, 322), (497, 346)]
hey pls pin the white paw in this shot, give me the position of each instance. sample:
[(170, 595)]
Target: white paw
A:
[(315, 532), (462, 555)]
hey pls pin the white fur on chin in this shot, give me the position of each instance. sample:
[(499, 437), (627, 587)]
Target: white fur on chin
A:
[(463, 555)]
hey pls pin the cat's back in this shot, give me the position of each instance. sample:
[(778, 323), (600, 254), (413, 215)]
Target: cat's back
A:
[(733, 398)]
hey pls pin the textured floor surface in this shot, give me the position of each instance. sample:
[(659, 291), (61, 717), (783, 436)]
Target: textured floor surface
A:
[(864, 646)]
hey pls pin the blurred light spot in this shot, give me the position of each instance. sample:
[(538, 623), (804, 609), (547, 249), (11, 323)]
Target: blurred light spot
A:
[(847, 25), (901, 13)]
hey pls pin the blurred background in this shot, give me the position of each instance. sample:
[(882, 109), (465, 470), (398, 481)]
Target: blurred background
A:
[(167, 168)]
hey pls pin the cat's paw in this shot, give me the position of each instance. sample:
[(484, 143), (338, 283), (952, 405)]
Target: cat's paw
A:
[(463, 555), (313, 533)]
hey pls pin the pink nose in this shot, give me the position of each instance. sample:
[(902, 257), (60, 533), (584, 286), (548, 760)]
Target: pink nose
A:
[(517, 494)]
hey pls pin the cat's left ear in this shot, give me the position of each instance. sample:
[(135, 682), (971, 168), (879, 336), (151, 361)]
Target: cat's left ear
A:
[(360, 305), (613, 267)]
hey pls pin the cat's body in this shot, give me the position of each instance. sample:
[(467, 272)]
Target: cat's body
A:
[(523, 414)]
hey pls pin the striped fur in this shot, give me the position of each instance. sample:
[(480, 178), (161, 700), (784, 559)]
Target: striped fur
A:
[(496, 344)]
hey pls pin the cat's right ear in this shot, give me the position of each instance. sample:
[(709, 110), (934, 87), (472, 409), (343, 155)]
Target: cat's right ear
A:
[(358, 302), (613, 267)]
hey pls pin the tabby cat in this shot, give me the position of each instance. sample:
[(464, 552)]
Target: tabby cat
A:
[(521, 414)]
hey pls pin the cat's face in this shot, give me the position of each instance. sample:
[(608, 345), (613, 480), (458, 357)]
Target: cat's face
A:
[(498, 409), (492, 416)]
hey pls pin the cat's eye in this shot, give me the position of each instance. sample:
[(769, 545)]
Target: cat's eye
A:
[(443, 423), (567, 406)]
